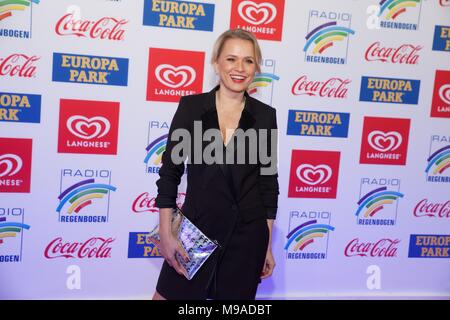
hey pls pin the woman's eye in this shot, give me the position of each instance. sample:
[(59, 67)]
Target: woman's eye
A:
[(249, 61)]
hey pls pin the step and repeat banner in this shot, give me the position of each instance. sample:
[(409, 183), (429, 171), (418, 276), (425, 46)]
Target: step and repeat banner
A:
[(362, 91)]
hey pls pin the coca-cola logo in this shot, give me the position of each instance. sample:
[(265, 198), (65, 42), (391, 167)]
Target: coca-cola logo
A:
[(19, 65), (108, 28), (175, 77), (382, 248), (93, 248), (145, 203), (406, 53), (313, 175), (384, 141), (444, 93), (257, 14), (426, 208), (332, 88), (88, 128), (10, 164)]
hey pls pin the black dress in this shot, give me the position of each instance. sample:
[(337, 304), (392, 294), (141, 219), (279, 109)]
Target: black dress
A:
[(228, 202)]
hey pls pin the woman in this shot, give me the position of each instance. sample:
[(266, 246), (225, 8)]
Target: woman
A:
[(236, 203)]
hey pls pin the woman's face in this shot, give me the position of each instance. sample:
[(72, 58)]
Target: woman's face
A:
[(236, 65)]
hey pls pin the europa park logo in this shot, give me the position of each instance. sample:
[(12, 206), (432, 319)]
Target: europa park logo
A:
[(314, 174), (264, 18), (16, 18), (15, 165), (88, 127), (173, 74)]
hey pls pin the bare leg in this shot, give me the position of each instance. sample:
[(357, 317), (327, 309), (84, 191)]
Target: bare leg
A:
[(157, 296)]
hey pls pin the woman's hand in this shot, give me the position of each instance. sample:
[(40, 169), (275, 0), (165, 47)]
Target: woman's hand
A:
[(168, 247), (269, 265)]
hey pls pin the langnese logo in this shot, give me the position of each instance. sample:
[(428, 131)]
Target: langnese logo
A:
[(12, 230), (179, 14), (20, 107), (314, 174), (389, 90), (84, 196), (16, 18), (318, 124), (88, 127), (85, 69), (173, 74), (384, 141), (327, 39), (309, 234), (156, 145), (139, 246), (105, 28), (15, 165), (438, 162), (429, 246), (440, 106), (441, 39), (335, 87), (92, 248), (263, 83), (399, 14), (378, 202), (264, 18), (403, 54), (19, 65)]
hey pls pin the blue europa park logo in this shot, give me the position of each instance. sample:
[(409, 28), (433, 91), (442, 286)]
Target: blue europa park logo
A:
[(327, 39), (12, 229), (20, 107), (378, 201), (429, 246), (16, 18), (179, 14), (84, 196), (140, 247), (308, 235), (318, 124), (263, 83)]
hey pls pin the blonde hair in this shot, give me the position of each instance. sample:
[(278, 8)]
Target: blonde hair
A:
[(237, 34)]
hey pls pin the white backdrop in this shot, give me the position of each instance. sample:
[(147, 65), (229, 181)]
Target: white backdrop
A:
[(361, 88)]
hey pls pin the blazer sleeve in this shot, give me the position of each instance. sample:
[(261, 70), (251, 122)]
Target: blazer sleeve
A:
[(268, 184), (170, 173)]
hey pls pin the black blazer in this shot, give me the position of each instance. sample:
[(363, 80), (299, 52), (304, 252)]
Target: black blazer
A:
[(215, 193)]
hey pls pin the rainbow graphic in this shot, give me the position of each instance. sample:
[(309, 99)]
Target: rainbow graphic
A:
[(261, 80), (81, 195), (375, 200), (395, 7), (156, 148), (325, 35), (305, 234), (10, 229), (440, 159), (8, 6)]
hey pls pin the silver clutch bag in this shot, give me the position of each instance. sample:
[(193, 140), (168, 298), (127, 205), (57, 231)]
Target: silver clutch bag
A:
[(197, 245)]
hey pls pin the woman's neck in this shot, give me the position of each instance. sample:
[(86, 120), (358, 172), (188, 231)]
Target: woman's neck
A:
[(230, 99)]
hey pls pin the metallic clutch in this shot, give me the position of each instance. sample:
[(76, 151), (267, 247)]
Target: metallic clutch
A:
[(198, 246)]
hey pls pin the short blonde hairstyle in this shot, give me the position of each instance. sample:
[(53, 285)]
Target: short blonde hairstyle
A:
[(237, 34)]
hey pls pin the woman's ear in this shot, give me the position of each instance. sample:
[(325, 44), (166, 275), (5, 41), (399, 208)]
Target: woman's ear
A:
[(216, 67)]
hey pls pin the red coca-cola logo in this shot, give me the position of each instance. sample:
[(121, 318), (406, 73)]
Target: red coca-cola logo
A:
[(406, 53), (382, 248), (331, 88), (145, 203), (93, 248), (19, 65), (108, 28), (426, 208)]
